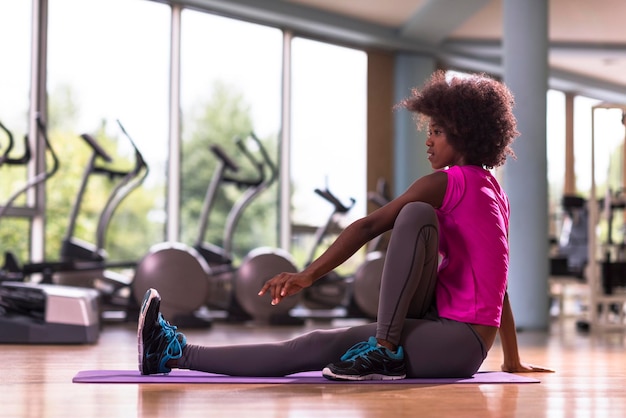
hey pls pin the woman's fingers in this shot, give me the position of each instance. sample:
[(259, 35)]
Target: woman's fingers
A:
[(541, 369), (276, 287), (526, 368), (283, 285)]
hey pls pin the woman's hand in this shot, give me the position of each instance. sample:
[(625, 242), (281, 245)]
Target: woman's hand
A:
[(522, 367), (285, 284)]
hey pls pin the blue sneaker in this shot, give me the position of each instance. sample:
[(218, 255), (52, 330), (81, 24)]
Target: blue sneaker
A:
[(368, 361), (158, 341)]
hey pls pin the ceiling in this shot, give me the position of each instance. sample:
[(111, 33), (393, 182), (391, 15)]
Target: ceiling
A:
[(587, 39)]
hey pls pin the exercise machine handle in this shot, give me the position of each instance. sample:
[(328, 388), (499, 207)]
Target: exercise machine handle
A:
[(140, 162), (98, 150), (55, 159), (247, 183), (339, 207), (112, 174), (321, 232), (41, 177), (256, 164), (5, 156), (268, 161), (222, 156)]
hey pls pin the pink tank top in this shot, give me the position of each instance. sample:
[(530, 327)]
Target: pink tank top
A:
[(473, 244)]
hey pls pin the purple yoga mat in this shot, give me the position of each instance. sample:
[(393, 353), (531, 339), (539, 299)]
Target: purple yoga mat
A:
[(188, 376)]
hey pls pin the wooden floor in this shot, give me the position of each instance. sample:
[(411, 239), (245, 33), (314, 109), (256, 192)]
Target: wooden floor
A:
[(590, 381)]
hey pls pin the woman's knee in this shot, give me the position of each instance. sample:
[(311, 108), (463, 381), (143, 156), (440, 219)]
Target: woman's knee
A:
[(417, 213)]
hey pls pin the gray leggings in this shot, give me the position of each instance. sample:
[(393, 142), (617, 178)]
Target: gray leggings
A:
[(407, 315)]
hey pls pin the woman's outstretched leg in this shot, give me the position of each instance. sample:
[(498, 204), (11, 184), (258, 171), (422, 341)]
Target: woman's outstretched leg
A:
[(162, 348)]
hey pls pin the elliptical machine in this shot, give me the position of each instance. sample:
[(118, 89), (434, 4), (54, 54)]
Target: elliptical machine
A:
[(204, 275), (11, 271), (42, 313), (89, 265)]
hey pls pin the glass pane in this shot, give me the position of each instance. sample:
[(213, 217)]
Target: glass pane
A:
[(582, 145), (329, 105), (230, 87), (108, 61), (555, 141), (609, 177), (15, 24)]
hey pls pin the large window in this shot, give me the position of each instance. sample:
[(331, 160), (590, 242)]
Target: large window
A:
[(230, 88), (328, 151), (101, 70), (108, 60)]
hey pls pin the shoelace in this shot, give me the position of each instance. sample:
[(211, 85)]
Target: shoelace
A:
[(174, 347), (358, 350)]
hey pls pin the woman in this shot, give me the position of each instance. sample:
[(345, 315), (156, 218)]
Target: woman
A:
[(443, 288)]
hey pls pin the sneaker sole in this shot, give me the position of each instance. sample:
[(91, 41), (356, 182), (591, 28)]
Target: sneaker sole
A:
[(150, 295), (328, 374)]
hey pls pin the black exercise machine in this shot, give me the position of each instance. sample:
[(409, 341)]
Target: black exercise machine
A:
[(34, 313), (82, 264)]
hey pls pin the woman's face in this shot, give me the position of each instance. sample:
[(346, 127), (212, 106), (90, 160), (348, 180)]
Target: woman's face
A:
[(440, 153)]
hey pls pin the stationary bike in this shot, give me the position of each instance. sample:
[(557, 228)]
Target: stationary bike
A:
[(204, 275)]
